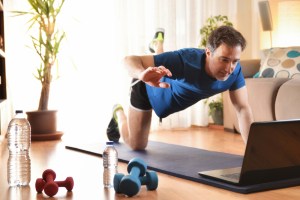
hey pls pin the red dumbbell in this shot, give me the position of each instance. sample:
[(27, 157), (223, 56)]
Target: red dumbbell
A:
[(50, 186)]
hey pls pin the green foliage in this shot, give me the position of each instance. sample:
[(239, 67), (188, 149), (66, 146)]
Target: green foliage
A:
[(211, 24), (215, 105), (46, 42)]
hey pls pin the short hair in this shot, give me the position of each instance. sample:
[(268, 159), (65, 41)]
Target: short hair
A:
[(227, 35)]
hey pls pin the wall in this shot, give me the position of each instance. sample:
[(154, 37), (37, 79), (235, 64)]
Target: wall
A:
[(286, 25), (90, 46), (247, 25)]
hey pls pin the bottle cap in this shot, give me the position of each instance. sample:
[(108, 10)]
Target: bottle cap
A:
[(109, 142)]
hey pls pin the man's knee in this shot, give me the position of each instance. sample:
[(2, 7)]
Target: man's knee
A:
[(137, 146)]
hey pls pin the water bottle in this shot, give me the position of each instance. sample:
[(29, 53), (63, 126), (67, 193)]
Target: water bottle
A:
[(110, 164), (19, 140)]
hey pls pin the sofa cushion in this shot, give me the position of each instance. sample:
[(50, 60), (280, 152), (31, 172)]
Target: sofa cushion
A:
[(262, 94), (287, 100), (281, 63)]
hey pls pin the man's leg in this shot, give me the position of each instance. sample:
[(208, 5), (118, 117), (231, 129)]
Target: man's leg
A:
[(134, 129)]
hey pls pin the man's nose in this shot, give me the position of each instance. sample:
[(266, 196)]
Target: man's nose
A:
[(229, 68)]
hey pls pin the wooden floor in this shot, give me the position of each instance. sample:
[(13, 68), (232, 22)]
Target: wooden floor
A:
[(87, 170), (203, 138)]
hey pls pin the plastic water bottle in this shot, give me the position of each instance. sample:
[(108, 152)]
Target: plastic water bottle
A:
[(19, 140), (110, 164)]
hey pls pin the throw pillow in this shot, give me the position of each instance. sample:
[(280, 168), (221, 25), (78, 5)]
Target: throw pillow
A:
[(256, 75), (281, 63)]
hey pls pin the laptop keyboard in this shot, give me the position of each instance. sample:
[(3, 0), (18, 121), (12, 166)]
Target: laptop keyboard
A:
[(235, 176)]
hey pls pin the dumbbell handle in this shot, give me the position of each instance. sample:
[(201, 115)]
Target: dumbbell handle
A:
[(144, 180), (49, 175), (135, 172), (68, 183), (49, 178)]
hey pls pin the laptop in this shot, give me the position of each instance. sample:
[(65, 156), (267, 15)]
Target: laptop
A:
[(272, 154)]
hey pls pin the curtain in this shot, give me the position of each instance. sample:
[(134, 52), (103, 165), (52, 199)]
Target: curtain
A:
[(99, 35), (182, 21)]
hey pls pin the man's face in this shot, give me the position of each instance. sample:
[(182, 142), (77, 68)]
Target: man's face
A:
[(222, 62)]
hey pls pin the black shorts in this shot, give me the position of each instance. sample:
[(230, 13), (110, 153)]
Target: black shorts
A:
[(138, 96)]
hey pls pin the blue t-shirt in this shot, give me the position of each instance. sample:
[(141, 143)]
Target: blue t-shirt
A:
[(189, 82)]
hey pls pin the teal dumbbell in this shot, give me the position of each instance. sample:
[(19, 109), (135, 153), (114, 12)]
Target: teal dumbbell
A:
[(150, 180), (130, 184)]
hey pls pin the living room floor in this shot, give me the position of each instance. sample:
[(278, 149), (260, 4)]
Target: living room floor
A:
[(203, 138)]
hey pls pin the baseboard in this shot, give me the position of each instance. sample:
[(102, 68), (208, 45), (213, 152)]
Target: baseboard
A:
[(230, 130), (216, 126)]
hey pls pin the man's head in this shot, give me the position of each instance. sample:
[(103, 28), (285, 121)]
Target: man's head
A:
[(223, 51)]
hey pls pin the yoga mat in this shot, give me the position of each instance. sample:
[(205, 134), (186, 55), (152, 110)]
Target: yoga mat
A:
[(185, 162)]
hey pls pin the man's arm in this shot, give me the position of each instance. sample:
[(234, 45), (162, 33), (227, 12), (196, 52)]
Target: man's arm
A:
[(135, 65), (239, 99), (142, 68)]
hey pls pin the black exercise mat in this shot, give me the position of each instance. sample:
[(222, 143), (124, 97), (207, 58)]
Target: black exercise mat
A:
[(185, 162)]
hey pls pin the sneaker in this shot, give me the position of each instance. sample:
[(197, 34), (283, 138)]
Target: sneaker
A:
[(112, 130), (158, 37), (116, 107)]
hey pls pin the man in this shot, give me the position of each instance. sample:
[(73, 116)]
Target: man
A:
[(172, 81)]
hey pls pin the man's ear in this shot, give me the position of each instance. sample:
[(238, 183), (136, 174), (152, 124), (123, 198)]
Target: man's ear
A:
[(207, 52)]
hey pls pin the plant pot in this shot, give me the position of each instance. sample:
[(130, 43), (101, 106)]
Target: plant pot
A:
[(43, 125), (217, 116)]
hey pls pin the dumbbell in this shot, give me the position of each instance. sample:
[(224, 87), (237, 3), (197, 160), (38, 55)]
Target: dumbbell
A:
[(50, 186), (150, 180), (131, 184), (48, 175), (52, 189)]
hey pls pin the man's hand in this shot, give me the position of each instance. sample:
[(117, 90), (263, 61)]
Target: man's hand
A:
[(152, 76)]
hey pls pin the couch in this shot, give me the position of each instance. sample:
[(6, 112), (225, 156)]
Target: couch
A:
[(270, 98)]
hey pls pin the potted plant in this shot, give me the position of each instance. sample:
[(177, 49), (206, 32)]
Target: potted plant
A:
[(46, 44), (211, 24), (216, 111)]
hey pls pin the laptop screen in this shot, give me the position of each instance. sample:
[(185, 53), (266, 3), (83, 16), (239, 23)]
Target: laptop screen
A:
[(273, 152)]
